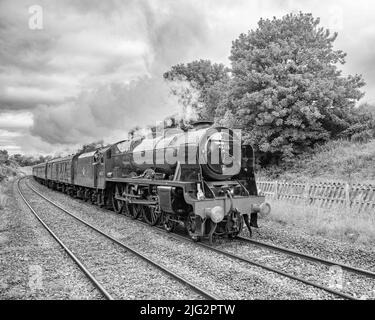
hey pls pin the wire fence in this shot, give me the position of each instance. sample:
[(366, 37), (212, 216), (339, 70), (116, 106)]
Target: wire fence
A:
[(356, 197)]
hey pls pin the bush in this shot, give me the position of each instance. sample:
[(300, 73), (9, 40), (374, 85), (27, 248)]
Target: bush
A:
[(3, 198), (336, 160), (362, 137)]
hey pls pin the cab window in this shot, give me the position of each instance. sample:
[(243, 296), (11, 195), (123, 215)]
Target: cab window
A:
[(122, 147)]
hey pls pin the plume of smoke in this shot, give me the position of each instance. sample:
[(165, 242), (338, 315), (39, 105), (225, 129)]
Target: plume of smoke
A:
[(188, 99), (184, 99)]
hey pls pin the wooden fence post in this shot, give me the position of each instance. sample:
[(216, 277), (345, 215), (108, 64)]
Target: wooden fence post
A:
[(347, 197), (307, 193), (275, 195)]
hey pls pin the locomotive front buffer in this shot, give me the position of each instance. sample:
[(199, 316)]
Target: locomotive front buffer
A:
[(224, 213)]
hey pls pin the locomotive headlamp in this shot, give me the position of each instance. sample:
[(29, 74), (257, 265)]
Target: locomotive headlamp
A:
[(216, 214), (263, 209)]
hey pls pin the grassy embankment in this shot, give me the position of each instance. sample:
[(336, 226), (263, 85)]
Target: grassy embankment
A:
[(8, 172), (3, 197), (335, 161)]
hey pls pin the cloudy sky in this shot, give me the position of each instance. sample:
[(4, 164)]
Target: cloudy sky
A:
[(95, 68)]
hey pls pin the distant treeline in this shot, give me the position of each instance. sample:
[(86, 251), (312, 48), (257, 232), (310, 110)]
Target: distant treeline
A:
[(21, 160), (24, 160)]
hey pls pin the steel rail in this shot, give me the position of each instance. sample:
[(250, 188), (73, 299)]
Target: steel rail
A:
[(164, 269), (260, 265), (298, 254), (62, 244), (248, 261)]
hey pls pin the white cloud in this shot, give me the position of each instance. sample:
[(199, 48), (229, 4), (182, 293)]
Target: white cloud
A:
[(94, 71), (15, 121)]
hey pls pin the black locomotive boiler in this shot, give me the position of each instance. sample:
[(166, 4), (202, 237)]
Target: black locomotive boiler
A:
[(202, 179)]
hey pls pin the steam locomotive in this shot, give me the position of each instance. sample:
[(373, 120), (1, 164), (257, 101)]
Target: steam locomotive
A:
[(202, 179)]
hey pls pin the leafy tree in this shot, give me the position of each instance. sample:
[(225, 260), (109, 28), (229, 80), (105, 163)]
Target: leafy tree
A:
[(3, 156), (22, 160), (362, 128), (286, 90), (18, 158), (205, 77), (367, 108), (43, 159)]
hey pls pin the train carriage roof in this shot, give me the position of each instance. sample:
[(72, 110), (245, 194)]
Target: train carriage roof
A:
[(40, 165), (67, 158)]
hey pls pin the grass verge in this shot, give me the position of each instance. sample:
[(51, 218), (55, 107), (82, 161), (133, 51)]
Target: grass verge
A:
[(337, 222), (3, 197)]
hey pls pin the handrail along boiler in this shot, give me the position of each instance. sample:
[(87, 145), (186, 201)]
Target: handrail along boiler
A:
[(202, 178)]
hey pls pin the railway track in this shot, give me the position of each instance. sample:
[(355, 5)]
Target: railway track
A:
[(312, 258), (78, 262), (266, 267), (260, 265), (81, 265)]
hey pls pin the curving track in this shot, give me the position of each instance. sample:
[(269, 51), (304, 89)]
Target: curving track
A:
[(263, 266), (97, 284), (88, 274)]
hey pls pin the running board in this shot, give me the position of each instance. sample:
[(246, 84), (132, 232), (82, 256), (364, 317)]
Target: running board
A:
[(137, 201)]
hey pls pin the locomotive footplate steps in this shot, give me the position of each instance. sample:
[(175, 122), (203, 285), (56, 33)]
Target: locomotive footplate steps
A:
[(247, 222), (213, 227)]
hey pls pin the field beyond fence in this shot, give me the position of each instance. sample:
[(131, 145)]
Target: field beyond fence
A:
[(354, 197)]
